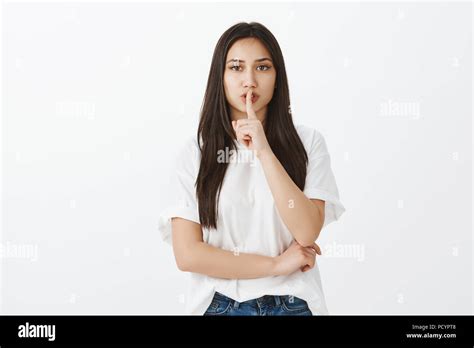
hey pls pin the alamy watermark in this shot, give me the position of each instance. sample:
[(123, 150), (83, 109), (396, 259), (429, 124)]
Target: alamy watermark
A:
[(37, 331), (355, 251), (77, 109), (19, 251), (400, 109), (232, 156)]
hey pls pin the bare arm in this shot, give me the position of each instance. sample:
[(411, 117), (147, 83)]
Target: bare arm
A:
[(192, 254), (303, 217)]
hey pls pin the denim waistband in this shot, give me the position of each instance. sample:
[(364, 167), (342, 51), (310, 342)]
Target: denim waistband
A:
[(260, 301)]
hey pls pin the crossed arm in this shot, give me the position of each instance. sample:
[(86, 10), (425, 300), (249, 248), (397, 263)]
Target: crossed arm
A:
[(304, 218), (192, 254)]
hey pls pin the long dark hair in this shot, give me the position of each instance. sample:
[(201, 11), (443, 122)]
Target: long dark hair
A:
[(216, 131)]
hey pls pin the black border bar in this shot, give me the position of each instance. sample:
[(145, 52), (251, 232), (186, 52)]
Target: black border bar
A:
[(223, 330)]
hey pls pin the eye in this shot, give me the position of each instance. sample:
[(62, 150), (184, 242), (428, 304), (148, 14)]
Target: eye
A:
[(259, 68), (266, 67)]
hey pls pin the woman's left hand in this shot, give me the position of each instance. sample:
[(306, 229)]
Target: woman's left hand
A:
[(317, 249), (250, 130)]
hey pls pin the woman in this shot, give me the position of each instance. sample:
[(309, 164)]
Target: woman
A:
[(245, 228)]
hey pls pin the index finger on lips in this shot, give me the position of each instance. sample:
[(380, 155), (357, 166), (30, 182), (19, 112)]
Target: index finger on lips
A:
[(248, 103)]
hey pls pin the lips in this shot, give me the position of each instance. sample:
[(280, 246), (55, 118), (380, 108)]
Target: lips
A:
[(254, 97)]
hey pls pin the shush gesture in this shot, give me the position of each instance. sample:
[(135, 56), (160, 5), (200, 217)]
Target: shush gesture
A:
[(249, 131)]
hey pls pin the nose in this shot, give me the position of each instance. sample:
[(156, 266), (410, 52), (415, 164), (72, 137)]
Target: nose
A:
[(249, 80)]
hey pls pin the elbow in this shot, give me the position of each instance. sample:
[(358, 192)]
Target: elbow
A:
[(183, 264), (309, 232), (308, 237), (184, 261)]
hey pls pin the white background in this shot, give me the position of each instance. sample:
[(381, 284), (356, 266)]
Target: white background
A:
[(98, 98)]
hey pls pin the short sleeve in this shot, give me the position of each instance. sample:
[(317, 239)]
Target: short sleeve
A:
[(320, 181), (184, 201)]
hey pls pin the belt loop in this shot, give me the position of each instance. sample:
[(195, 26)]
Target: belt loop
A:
[(277, 300), (236, 304)]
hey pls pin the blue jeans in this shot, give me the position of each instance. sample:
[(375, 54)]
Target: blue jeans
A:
[(265, 305)]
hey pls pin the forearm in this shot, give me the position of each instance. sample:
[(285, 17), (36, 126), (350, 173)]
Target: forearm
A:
[(300, 215), (220, 263)]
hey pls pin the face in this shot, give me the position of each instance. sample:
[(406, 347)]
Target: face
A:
[(249, 66)]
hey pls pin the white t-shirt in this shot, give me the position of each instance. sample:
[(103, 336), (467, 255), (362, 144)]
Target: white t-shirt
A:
[(248, 222)]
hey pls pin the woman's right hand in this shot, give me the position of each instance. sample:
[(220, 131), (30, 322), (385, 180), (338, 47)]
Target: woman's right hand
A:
[(296, 257)]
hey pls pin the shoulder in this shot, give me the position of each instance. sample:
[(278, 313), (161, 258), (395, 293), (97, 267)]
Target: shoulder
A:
[(189, 154), (190, 146), (312, 139), (307, 133)]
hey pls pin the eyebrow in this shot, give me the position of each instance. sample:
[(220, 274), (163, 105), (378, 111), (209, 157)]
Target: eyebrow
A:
[(243, 61)]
